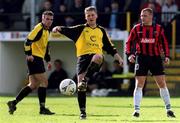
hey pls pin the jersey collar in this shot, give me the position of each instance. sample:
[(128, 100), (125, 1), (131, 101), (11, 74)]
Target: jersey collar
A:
[(87, 25)]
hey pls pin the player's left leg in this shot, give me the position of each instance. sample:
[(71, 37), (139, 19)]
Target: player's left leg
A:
[(93, 67), (33, 84), (164, 93), (42, 93)]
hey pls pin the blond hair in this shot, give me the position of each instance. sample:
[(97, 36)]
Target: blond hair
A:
[(90, 8), (148, 10), (48, 13)]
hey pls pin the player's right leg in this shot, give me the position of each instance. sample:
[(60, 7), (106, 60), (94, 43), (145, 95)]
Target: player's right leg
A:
[(140, 80), (141, 70), (23, 93), (82, 98)]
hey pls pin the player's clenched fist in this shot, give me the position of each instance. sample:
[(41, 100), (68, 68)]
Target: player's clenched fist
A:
[(131, 58), (56, 29)]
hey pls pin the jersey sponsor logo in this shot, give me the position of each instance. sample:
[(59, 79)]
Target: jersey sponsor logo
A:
[(93, 44), (147, 40)]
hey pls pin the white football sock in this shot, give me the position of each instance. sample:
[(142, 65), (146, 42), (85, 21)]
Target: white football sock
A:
[(164, 93), (137, 98)]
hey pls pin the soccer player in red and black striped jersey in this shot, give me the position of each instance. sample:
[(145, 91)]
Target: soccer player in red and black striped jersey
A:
[(144, 47)]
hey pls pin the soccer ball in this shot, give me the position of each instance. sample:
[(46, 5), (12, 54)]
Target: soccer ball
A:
[(67, 87)]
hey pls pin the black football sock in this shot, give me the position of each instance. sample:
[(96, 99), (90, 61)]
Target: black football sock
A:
[(82, 100), (23, 93), (93, 67), (42, 96)]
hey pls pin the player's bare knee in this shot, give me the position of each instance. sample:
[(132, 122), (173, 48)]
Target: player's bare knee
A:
[(44, 83), (80, 77), (97, 58), (32, 86), (139, 85), (162, 84)]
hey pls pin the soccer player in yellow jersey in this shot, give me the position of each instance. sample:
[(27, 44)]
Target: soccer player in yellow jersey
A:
[(90, 40), (36, 50)]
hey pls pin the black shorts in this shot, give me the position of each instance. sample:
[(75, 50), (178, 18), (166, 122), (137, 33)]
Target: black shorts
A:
[(37, 66), (153, 64), (83, 63)]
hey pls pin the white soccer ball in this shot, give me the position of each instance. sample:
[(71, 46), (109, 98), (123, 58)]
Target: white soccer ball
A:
[(67, 87)]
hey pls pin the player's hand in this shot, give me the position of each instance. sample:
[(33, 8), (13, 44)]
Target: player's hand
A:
[(56, 29), (119, 59), (30, 58), (49, 66), (131, 58), (166, 60)]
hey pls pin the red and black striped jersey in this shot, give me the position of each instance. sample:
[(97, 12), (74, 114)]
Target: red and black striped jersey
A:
[(147, 40)]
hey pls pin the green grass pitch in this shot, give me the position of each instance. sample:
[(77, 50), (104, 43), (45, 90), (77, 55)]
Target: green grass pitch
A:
[(99, 110)]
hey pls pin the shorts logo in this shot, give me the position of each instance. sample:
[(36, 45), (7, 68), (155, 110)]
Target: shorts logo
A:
[(136, 67)]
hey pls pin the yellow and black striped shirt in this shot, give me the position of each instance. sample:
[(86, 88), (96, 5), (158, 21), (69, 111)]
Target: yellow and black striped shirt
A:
[(36, 43), (89, 40)]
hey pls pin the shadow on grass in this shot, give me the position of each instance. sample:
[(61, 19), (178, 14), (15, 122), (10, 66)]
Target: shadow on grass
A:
[(91, 115), (114, 106), (99, 115), (146, 121), (68, 114), (130, 106)]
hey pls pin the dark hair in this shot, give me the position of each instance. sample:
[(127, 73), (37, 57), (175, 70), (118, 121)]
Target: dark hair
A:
[(90, 8), (148, 10), (58, 61), (48, 13)]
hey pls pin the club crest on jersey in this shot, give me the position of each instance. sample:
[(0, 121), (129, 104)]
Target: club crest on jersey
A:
[(93, 38), (147, 40)]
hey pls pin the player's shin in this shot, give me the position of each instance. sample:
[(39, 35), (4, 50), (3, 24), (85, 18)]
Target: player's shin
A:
[(82, 100), (93, 67), (137, 98), (164, 93), (42, 96), (23, 93)]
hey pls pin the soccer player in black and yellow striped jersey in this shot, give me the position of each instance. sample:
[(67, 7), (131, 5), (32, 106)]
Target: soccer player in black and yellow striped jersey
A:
[(36, 50), (90, 40)]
